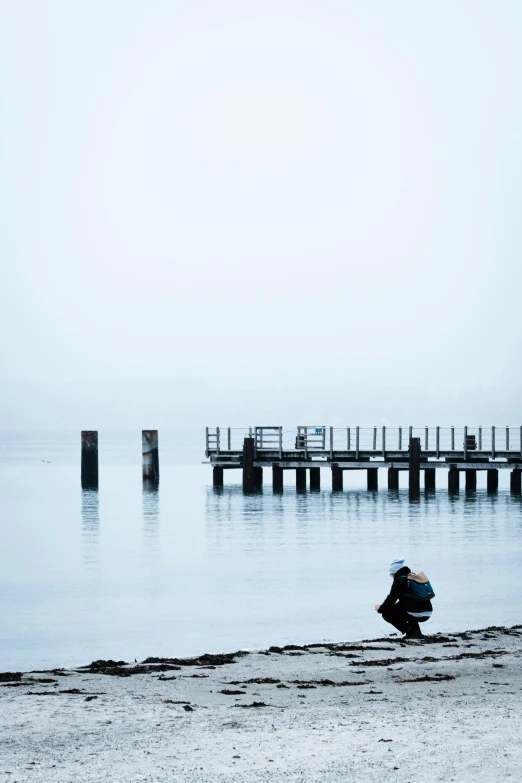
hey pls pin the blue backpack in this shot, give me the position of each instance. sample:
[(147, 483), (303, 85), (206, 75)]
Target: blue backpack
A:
[(420, 587)]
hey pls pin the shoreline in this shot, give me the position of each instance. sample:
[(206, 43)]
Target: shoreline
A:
[(393, 637), (446, 706)]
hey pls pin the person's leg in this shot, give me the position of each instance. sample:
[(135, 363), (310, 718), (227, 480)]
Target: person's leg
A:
[(397, 617), (414, 631)]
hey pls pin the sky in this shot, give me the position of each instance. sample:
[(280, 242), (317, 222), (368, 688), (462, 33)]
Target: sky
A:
[(314, 206)]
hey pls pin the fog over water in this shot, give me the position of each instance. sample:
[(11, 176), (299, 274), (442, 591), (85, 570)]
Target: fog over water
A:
[(210, 207)]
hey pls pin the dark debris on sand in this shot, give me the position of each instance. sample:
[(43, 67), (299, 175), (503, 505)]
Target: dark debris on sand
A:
[(254, 704), (211, 661), (427, 678), (331, 683), (381, 662), (10, 676), (432, 659), (121, 669), (232, 692), (28, 680), (256, 681), (206, 660), (333, 647)]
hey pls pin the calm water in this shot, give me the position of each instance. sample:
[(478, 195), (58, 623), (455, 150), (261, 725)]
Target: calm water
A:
[(126, 573)]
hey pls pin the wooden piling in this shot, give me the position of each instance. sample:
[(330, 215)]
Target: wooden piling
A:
[(217, 476), (150, 455), (300, 479), (372, 479), (515, 482), (248, 465), (414, 466), (89, 462), (453, 480), (471, 480), (277, 478), (337, 479), (492, 480), (315, 478), (429, 479), (258, 477), (393, 478)]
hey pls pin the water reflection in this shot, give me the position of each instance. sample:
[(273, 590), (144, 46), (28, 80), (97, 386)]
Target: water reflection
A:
[(90, 528), (151, 518), (363, 514)]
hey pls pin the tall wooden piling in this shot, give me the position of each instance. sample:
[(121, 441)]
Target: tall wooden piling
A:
[(248, 465), (372, 479), (429, 479), (492, 480), (471, 480), (315, 478), (414, 466), (258, 477), (300, 479), (337, 479), (515, 482), (217, 476), (89, 463), (393, 478), (277, 478), (150, 455), (453, 480)]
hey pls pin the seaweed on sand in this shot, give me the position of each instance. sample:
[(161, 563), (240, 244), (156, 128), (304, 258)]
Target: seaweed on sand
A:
[(207, 660), (10, 676)]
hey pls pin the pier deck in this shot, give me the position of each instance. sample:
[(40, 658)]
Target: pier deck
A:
[(412, 449)]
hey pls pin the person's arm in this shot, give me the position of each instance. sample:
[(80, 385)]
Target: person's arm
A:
[(398, 587)]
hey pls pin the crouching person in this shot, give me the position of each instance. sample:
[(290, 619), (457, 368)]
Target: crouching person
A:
[(402, 607)]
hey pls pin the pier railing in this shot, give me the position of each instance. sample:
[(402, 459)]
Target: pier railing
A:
[(322, 441)]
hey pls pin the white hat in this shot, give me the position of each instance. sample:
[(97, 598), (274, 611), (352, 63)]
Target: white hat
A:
[(395, 566)]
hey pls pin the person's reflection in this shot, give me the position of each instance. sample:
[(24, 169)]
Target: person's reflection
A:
[(90, 527)]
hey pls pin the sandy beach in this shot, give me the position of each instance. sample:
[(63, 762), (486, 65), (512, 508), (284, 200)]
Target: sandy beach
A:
[(441, 709)]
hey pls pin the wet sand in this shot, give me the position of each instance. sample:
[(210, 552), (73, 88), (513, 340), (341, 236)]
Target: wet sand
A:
[(445, 708)]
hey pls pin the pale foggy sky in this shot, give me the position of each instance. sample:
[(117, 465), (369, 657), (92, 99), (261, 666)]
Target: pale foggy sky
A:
[(261, 194)]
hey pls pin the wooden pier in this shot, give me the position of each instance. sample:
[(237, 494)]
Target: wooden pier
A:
[(458, 450)]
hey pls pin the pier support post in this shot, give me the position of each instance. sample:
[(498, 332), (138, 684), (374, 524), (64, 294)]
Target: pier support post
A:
[(372, 479), (277, 478), (89, 468), (429, 479), (248, 465), (258, 477), (414, 466), (300, 479), (471, 480), (515, 483), (492, 480), (150, 455), (217, 476), (393, 478), (453, 480), (337, 480), (315, 478)]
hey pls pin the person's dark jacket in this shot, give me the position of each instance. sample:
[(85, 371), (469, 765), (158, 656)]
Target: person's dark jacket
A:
[(400, 591)]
